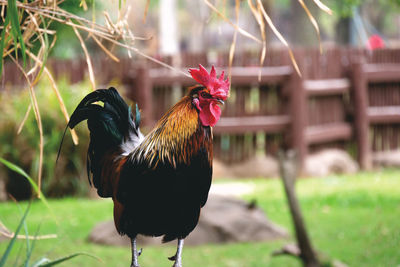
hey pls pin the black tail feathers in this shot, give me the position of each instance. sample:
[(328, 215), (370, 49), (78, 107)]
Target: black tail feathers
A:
[(114, 106), (110, 125)]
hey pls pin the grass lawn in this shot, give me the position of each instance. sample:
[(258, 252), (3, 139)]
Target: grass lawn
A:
[(354, 218)]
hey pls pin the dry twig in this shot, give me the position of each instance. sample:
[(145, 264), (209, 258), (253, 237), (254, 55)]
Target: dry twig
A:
[(38, 120), (88, 60), (313, 22), (233, 45), (279, 35), (235, 26)]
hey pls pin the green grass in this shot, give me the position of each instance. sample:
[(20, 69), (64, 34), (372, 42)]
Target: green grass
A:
[(353, 218)]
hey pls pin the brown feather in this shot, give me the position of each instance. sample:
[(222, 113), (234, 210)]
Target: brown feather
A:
[(175, 138)]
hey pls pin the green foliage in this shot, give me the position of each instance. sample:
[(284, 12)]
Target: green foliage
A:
[(67, 45), (23, 150), (12, 241), (43, 261), (344, 8)]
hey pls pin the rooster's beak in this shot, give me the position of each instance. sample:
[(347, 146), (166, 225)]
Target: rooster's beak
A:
[(221, 101)]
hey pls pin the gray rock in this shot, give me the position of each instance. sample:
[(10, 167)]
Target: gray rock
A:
[(259, 166), (323, 163), (221, 170), (222, 220), (330, 161), (387, 158), (255, 167)]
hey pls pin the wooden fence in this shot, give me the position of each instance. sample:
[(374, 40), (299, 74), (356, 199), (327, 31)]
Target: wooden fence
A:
[(346, 97)]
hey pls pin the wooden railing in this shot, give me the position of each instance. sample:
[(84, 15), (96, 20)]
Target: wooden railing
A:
[(301, 113), (344, 97)]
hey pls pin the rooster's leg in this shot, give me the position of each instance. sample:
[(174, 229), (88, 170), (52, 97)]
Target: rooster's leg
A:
[(135, 254), (178, 255)]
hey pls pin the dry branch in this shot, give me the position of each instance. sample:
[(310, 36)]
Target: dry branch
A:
[(313, 22), (279, 35), (323, 7), (58, 95), (24, 119), (88, 60), (4, 231), (288, 166)]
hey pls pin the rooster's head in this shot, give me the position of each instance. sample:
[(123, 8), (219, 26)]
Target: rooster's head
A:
[(213, 91)]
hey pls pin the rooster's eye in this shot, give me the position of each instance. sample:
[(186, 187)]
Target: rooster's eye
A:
[(205, 95)]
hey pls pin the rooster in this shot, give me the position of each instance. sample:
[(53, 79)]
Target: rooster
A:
[(158, 182)]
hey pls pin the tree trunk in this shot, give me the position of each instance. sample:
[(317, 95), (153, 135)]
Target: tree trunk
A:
[(343, 31)]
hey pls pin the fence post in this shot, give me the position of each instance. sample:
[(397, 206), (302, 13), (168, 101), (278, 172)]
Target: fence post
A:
[(298, 114), (361, 121), (141, 93)]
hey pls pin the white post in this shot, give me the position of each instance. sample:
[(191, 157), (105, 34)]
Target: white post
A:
[(169, 44)]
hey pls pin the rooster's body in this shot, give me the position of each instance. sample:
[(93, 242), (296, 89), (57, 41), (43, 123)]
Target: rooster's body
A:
[(158, 182)]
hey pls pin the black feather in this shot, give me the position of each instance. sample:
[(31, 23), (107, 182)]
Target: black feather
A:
[(110, 125), (138, 117)]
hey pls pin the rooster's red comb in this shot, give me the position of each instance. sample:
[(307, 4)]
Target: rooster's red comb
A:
[(210, 81)]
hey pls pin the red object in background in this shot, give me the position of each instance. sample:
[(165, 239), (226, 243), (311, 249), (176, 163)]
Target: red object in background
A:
[(375, 42)]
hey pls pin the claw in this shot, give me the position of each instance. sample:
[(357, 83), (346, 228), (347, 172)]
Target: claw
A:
[(172, 258), (140, 252), (177, 258)]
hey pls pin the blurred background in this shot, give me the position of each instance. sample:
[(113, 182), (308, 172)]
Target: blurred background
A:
[(341, 115)]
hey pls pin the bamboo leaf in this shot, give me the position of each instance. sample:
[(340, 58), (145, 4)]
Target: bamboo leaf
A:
[(12, 241), (12, 11), (20, 171), (60, 260), (30, 250), (28, 244), (2, 41)]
